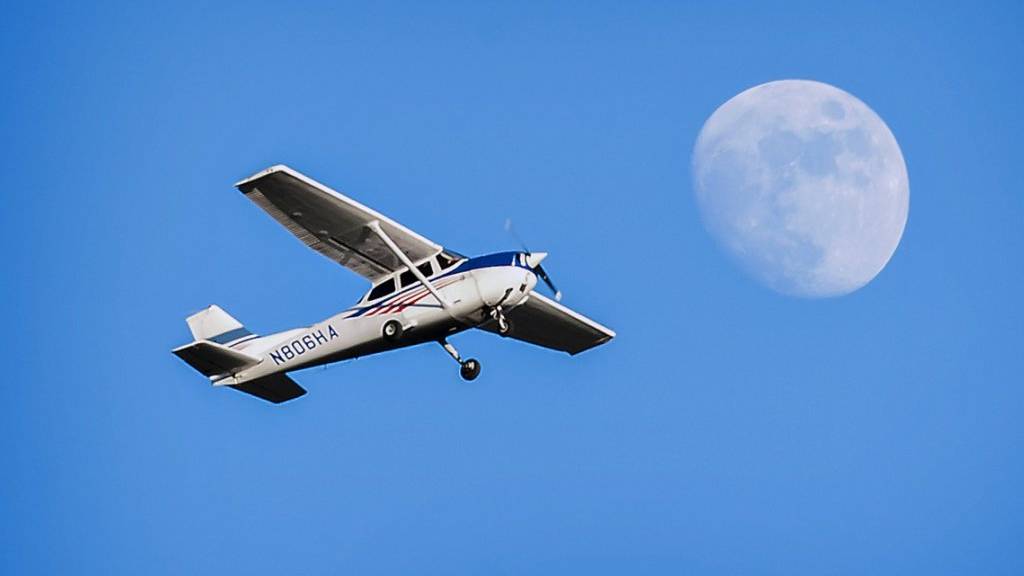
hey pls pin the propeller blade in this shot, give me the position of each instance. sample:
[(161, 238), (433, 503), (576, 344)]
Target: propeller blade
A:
[(512, 231), (547, 280)]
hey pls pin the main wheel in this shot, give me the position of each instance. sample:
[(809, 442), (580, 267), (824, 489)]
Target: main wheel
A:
[(392, 330), (470, 369)]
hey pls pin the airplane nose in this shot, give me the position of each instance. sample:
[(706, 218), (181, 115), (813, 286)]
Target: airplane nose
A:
[(534, 259)]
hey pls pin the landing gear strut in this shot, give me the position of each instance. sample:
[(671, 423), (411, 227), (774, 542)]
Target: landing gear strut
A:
[(498, 314), (469, 368)]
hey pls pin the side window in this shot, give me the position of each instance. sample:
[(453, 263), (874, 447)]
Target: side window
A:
[(407, 278), (382, 289)]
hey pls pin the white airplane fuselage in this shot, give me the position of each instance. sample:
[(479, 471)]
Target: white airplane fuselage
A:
[(471, 291)]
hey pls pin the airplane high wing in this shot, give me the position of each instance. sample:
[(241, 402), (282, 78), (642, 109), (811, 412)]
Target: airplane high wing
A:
[(333, 224), (547, 323)]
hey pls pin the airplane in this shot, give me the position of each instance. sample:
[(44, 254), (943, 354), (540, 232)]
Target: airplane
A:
[(420, 292)]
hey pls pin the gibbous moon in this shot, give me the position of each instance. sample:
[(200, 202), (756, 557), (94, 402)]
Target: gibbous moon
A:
[(804, 185)]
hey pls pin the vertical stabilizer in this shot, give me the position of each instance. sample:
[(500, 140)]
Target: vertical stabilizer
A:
[(216, 325)]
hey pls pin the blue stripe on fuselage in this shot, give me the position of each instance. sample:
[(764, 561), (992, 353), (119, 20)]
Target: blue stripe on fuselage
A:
[(230, 335), (488, 261)]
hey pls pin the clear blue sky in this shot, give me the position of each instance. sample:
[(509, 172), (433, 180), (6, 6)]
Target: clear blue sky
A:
[(727, 430)]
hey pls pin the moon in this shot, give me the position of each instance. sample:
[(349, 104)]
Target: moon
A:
[(803, 185)]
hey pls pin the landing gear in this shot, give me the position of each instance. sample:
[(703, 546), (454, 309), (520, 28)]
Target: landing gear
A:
[(499, 316), (392, 330), (469, 369)]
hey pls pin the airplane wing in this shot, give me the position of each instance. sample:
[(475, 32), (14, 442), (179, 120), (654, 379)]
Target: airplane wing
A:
[(547, 323), (333, 224)]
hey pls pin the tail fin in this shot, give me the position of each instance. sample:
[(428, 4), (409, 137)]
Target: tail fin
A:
[(215, 331), (216, 325)]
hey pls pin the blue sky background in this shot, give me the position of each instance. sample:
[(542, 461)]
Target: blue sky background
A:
[(727, 430)]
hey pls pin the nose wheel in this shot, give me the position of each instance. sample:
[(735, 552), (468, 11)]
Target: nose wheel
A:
[(499, 316), (469, 368)]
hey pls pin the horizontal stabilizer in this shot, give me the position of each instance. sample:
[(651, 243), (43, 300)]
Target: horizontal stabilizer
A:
[(275, 388), (213, 359)]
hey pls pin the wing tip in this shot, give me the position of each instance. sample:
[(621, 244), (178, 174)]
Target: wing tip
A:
[(262, 173), (592, 345)]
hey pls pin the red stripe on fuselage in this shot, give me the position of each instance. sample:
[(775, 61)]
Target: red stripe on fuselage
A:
[(409, 302), (387, 308), (404, 302), (421, 295)]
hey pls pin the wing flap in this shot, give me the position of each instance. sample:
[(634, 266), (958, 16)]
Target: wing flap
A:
[(547, 323)]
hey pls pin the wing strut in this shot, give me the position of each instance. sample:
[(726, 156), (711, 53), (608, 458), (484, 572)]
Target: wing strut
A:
[(374, 226)]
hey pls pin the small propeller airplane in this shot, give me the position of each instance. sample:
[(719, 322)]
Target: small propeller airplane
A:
[(420, 293)]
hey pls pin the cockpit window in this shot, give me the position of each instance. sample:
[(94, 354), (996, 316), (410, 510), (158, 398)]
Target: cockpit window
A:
[(446, 260), (383, 289)]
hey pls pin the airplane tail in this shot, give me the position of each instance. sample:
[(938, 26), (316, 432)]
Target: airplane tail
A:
[(215, 361), (212, 354)]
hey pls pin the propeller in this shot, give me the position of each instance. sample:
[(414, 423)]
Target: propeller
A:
[(533, 260)]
